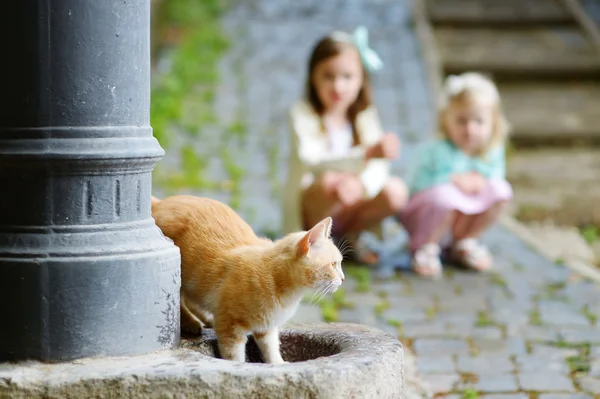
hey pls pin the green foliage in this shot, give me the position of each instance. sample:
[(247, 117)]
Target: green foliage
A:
[(535, 318), (470, 393), (193, 72), (362, 275), (590, 234), (483, 319), (331, 306), (381, 307)]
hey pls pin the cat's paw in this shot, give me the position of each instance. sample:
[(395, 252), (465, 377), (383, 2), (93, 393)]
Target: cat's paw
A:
[(277, 361), (192, 328), (207, 319)]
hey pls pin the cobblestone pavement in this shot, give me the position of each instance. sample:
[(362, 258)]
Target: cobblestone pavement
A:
[(526, 330)]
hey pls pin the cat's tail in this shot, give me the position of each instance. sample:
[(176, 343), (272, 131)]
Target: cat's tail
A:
[(155, 202)]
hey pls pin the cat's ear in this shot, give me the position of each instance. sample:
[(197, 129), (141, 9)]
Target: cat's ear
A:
[(328, 222), (321, 231)]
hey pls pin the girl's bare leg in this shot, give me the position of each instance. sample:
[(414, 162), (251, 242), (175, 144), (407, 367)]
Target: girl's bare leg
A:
[(472, 226), (466, 230), (319, 201)]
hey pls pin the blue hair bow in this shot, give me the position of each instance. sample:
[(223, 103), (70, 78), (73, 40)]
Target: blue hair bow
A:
[(369, 57)]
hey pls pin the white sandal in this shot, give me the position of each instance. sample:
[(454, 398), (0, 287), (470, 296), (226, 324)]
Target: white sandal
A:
[(426, 260), (363, 252), (470, 253)]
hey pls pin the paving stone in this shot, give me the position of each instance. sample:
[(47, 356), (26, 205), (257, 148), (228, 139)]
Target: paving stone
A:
[(564, 396), (487, 333), (436, 364), (360, 315), (457, 317), (544, 382), (484, 364), (594, 367), (440, 383), (463, 303), (433, 346), (533, 333), (496, 383), (561, 313), (433, 328), (388, 328), (517, 316), (541, 364), (405, 300), (405, 315), (363, 299), (552, 351), (591, 335), (512, 346), (507, 396), (590, 384)]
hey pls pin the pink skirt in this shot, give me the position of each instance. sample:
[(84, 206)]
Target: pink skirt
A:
[(428, 208)]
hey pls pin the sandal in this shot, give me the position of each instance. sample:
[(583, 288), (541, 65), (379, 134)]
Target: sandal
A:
[(363, 254), (426, 260), (471, 254)]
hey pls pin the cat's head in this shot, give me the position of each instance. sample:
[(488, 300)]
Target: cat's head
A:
[(318, 259)]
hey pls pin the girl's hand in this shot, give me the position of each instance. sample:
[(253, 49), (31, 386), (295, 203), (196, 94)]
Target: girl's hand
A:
[(470, 183), (349, 191), (387, 148)]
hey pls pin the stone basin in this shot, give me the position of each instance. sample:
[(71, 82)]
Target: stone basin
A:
[(329, 361)]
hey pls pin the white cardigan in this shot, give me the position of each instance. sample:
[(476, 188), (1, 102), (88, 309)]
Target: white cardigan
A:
[(309, 156)]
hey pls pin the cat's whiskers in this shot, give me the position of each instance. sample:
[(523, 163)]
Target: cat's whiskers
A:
[(322, 293), (345, 245), (317, 293)]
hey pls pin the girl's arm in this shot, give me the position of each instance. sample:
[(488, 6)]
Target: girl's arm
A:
[(374, 176), (318, 161)]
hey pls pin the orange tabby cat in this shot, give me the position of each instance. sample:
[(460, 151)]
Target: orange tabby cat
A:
[(248, 284)]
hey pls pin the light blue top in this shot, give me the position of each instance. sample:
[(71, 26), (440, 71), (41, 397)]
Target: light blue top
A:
[(437, 160)]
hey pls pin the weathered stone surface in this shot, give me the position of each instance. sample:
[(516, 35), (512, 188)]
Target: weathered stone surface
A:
[(326, 360)]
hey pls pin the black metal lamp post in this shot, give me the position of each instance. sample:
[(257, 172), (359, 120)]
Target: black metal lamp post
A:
[(84, 271)]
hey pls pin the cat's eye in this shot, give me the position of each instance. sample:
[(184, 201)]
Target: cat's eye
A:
[(333, 264)]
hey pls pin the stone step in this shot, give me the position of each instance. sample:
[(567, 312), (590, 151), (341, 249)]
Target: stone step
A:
[(497, 12), (552, 113), (526, 53)]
